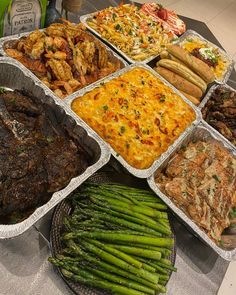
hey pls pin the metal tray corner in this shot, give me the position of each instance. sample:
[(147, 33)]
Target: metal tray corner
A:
[(202, 130)]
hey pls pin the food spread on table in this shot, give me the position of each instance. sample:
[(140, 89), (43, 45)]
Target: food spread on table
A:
[(135, 33), (117, 238), (188, 74), (220, 112), (38, 157), (167, 17), (208, 53), (64, 57), (137, 114), (201, 179)]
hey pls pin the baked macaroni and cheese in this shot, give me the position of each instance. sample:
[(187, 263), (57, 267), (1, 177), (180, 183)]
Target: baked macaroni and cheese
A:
[(137, 114)]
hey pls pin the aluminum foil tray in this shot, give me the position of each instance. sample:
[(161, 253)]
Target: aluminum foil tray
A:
[(153, 63), (201, 132), (14, 76), (7, 41), (141, 173), (208, 97), (84, 19), (230, 68)]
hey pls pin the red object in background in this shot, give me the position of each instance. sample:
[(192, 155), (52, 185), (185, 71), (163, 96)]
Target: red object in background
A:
[(165, 16)]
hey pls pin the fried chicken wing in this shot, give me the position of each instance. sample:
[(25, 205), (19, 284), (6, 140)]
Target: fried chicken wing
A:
[(79, 62), (60, 69), (36, 66), (60, 55), (64, 56), (37, 49)]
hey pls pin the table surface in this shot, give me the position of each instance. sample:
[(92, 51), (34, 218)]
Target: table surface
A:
[(24, 269)]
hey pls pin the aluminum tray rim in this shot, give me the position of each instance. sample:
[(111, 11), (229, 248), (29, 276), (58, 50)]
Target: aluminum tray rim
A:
[(83, 20), (3, 40), (141, 173), (222, 52), (13, 230), (207, 98), (229, 255)]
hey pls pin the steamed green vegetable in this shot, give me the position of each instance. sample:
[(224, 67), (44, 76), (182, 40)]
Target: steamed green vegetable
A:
[(118, 239)]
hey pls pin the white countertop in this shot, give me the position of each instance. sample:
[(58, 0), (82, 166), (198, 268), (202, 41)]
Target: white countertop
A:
[(228, 286)]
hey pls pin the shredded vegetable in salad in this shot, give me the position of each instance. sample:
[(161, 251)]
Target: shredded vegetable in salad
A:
[(136, 34), (207, 53)]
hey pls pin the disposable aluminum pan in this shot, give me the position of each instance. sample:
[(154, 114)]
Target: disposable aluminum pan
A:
[(201, 132), (208, 97), (141, 173), (14, 76), (224, 55), (84, 19), (7, 42)]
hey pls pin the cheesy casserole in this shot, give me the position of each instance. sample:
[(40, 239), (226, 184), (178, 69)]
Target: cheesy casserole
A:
[(137, 114)]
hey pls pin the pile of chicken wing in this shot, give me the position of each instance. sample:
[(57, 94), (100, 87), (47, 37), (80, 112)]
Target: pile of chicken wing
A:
[(64, 56)]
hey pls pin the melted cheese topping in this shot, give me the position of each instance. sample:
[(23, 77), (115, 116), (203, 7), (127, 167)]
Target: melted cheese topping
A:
[(193, 42), (136, 114)]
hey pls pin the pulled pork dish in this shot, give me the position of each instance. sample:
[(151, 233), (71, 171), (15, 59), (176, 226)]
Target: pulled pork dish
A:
[(220, 112), (64, 56), (201, 180), (37, 155)]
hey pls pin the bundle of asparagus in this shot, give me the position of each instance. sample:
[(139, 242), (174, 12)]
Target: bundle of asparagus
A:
[(117, 238)]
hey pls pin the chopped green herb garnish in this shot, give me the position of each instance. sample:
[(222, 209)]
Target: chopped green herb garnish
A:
[(162, 98), (118, 27), (225, 95), (20, 150), (221, 243), (50, 139), (2, 90), (122, 129), (216, 177), (174, 39), (233, 213), (105, 108), (145, 131), (189, 39)]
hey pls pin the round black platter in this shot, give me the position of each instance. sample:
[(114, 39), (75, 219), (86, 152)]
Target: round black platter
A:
[(64, 209)]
